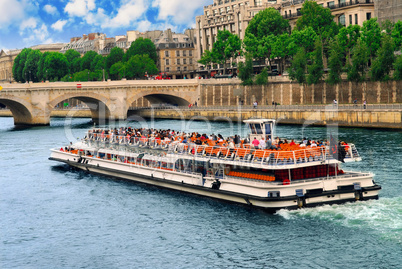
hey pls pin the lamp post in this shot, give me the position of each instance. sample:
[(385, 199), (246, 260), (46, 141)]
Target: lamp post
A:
[(46, 75), (30, 79), (88, 75)]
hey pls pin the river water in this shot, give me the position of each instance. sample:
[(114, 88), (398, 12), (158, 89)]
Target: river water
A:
[(55, 217)]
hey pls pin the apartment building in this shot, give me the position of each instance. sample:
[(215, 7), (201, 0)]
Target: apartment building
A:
[(176, 54), (346, 12), (388, 10), (231, 15)]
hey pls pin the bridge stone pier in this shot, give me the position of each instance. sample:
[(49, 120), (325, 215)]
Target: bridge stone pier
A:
[(32, 103)]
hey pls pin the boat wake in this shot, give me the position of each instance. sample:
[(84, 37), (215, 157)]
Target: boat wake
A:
[(383, 216)]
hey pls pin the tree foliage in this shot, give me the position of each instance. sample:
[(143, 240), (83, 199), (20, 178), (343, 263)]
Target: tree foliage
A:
[(316, 69), (226, 47), (335, 62), (396, 35), (246, 70), (56, 65), (262, 78), (116, 55), (371, 36), (142, 46), (320, 19), (297, 70), (384, 61), (31, 65), (87, 60), (358, 68), (398, 68), (139, 66), (19, 64), (267, 22), (71, 56)]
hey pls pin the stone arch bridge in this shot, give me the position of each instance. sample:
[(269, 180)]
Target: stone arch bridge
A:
[(32, 103)]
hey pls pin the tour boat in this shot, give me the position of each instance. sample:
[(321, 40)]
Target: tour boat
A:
[(277, 177)]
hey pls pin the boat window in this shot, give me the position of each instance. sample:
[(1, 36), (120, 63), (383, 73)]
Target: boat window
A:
[(268, 129), (255, 128)]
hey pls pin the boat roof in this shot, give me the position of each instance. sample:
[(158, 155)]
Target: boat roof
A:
[(258, 120)]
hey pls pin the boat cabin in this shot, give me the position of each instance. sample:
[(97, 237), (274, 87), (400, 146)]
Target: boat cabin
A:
[(260, 128)]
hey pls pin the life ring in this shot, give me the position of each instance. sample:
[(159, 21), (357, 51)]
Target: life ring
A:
[(286, 181)]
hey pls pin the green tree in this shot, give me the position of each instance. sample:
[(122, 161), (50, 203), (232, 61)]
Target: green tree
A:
[(71, 55), (387, 26), (260, 48), (371, 36), (335, 62), (19, 64), (227, 46), (358, 68), (397, 35), (142, 46), (382, 65), (281, 49), (316, 69), (262, 78), (246, 70), (141, 65), (41, 74), (297, 70), (76, 65), (31, 65), (319, 18), (87, 60), (398, 68), (206, 58), (98, 63), (56, 65), (267, 22), (114, 70), (116, 55), (305, 38)]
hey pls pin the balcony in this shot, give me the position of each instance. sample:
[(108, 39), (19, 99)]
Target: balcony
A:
[(350, 3)]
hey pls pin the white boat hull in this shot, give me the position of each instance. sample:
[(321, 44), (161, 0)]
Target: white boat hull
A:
[(315, 192)]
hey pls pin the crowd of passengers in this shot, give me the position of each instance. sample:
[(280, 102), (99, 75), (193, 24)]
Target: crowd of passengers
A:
[(203, 139)]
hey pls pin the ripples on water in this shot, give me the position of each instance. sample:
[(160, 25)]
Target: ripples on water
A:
[(57, 217)]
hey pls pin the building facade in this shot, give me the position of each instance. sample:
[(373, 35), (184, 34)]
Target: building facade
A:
[(176, 54), (7, 59), (345, 12), (388, 10)]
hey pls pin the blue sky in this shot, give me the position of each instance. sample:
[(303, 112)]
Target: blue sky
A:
[(24, 23)]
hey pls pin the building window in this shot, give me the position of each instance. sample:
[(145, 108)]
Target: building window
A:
[(342, 20), (342, 3), (177, 53), (166, 53), (258, 2), (184, 61), (356, 20), (331, 4), (286, 14), (167, 61), (350, 19), (184, 53), (178, 68), (178, 61), (185, 68), (368, 15), (167, 69), (190, 53), (191, 61)]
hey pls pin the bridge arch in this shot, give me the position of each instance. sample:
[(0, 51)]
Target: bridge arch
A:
[(20, 109), (99, 106), (159, 98)]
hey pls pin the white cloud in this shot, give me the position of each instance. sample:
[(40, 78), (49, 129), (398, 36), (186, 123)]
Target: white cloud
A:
[(52, 10), (39, 35), (28, 23), (58, 25), (79, 8), (178, 11), (11, 11)]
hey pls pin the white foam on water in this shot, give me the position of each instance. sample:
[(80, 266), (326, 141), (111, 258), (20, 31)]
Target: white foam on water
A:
[(383, 216)]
